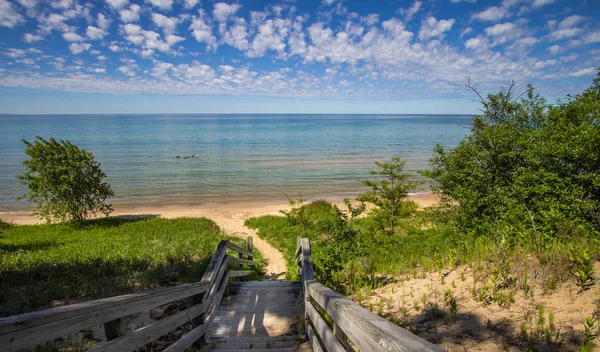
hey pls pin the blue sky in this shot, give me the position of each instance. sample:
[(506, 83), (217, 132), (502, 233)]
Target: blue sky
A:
[(328, 56)]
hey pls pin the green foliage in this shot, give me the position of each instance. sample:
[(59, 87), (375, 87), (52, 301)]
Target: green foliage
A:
[(40, 264), (582, 265), (528, 171), (65, 182), (389, 192), (4, 226)]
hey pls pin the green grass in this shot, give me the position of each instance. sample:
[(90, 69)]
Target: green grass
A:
[(357, 253), (41, 264)]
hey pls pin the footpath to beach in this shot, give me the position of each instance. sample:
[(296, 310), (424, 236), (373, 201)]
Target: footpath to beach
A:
[(229, 217)]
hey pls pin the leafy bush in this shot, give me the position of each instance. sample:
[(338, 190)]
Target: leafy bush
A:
[(528, 171), (65, 182), (389, 192)]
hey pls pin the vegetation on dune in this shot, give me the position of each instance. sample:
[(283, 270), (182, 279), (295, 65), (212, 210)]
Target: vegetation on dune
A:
[(64, 182), (520, 193), (44, 265), (529, 173)]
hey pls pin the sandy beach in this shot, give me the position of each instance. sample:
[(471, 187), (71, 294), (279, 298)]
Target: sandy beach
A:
[(226, 215), (229, 216)]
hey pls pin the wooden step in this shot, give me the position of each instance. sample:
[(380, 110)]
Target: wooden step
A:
[(257, 309), (256, 345)]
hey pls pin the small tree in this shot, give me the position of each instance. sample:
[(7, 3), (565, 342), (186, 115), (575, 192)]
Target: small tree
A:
[(64, 181), (390, 191)]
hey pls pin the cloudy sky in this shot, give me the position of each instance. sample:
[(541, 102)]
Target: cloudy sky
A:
[(326, 56)]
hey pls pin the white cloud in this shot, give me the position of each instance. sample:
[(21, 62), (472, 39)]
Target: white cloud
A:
[(555, 49), (73, 37), (371, 19), (126, 71), (584, 72), (28, 4), (189, 4), (466, 31), (328, 2), (114, 48), (237, 35), (161, 4), (78, 48), (53, 22), (477, 43), (172, 39), (15, 53), (103, 22), (492, 14), (271, 36), (168, 24), (95, 33), (223, 11), (569, 58), (202, 30), (61, 4), (148, 40), (457, 1), (30, 38), (117, 4), (592, 37), (411, 11), (564, 33), (431, 27), (130, 15), (540, 3), (571, 21), (9, 17)]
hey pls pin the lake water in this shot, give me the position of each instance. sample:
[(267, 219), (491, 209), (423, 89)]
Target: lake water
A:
[(236, 157)]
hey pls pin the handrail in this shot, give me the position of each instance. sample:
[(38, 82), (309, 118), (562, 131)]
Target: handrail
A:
[(30, 329), (354, 327)]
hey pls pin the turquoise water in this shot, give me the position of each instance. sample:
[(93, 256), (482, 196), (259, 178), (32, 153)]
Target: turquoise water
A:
[(237, 157)]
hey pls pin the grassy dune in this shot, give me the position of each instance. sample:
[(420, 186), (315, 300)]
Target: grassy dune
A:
[(45, 265)]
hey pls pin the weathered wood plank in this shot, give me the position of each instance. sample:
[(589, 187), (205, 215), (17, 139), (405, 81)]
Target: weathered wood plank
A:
[(215, 263), (314, 340), (219, 297), (307, 264), (368, 331), (29, 332), (149, 333), (342, 337), (241, 261), (239, 249), (28, 320), (251, 245), (329, 341), (187, 340), (240, 273)]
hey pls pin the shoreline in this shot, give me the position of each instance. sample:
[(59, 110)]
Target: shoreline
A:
[(220, 212)]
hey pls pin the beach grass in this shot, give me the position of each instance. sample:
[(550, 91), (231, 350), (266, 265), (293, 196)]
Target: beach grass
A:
[(42, 266)]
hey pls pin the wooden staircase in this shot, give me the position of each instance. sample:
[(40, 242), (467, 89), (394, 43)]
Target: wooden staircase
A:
[(258, 316), (218, 315)]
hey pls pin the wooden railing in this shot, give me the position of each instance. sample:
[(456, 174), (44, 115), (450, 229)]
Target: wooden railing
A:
[(28, 330), (335, 323)]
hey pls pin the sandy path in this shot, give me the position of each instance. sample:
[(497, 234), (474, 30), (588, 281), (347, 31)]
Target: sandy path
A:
[(229, 217)]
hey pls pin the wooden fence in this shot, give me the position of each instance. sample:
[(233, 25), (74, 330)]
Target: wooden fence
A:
[(335, 323), (28, 330)]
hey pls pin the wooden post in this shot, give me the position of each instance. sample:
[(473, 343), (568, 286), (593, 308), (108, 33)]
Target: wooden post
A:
[(250, 245), (113, 329)]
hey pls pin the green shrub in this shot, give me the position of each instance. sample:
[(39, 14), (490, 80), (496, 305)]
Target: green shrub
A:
[(64, 182)]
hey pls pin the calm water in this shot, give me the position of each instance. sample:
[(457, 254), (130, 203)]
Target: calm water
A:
[(237, 157)]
